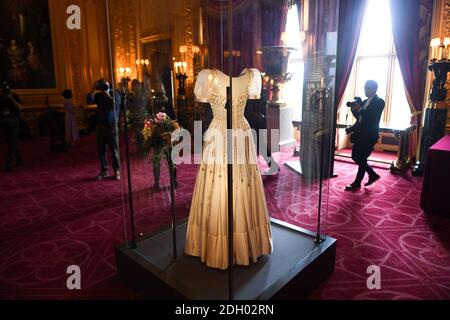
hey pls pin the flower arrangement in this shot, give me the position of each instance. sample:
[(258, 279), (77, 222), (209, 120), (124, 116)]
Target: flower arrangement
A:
[(157, 133)]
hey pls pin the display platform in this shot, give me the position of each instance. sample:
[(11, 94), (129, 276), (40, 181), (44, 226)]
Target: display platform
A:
[(296, 266)]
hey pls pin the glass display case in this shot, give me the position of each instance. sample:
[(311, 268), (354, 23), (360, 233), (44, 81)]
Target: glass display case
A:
[(227, 128)]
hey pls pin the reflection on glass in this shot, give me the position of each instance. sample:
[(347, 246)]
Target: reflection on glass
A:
[(300, 44)]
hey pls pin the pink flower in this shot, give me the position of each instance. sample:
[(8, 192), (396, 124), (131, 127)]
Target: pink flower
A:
[(161, 115)]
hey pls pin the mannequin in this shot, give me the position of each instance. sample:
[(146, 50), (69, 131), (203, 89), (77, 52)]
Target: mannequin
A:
[(207, 233)]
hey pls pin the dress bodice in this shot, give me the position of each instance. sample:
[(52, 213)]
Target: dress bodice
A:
[(211, 87)]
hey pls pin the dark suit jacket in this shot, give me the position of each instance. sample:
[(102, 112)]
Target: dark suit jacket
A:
[(255, 113), (107, 113), (366, 130)]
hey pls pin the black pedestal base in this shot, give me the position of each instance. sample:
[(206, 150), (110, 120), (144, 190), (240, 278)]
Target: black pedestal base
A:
[(433, 130), (296, 266)]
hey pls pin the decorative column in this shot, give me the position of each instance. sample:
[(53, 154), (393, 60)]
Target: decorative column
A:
[(124, 37), (75, 80), (189, 41), (185, 97)]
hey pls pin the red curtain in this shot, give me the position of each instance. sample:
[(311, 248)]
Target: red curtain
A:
[(274, 18), (316, 18), (351, 14), (411, 26), (255, 24)]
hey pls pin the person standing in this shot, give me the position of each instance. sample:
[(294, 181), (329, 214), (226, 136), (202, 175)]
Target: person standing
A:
[(137, 107), (365, 133), (72, 134), (9, 122), (120, 92), (108, 112), (255, 113)]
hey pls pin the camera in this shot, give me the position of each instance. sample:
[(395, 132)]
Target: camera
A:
[(356, 101), (102, 85)]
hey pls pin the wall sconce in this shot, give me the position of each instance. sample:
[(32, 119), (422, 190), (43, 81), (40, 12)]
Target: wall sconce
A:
[(180, 67), (184, 49), (143, 65), (142, 62), (234, 53), (124, 71), (439, 46), (195, 49), (440, 66), (196, 52), (180, 71), (446, 44)]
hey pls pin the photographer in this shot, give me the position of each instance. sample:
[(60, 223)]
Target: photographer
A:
[(108, 112), (365, 132), (10, 124)]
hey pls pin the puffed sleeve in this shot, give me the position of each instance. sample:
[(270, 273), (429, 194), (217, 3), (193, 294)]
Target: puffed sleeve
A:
[(202, 87), (254, 90)]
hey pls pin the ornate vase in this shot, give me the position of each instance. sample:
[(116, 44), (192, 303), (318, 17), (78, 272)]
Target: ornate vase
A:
[(275, 62)]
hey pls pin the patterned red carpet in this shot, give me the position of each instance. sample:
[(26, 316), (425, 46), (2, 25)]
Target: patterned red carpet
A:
[(53, 214)]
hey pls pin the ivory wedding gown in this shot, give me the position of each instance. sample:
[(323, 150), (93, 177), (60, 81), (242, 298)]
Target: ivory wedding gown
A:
[(207, 231)]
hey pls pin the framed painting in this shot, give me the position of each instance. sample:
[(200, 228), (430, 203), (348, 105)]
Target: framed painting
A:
[(26, 52)]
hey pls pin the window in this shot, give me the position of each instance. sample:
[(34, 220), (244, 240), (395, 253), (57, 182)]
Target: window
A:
[(294, 88), (376, 59)]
